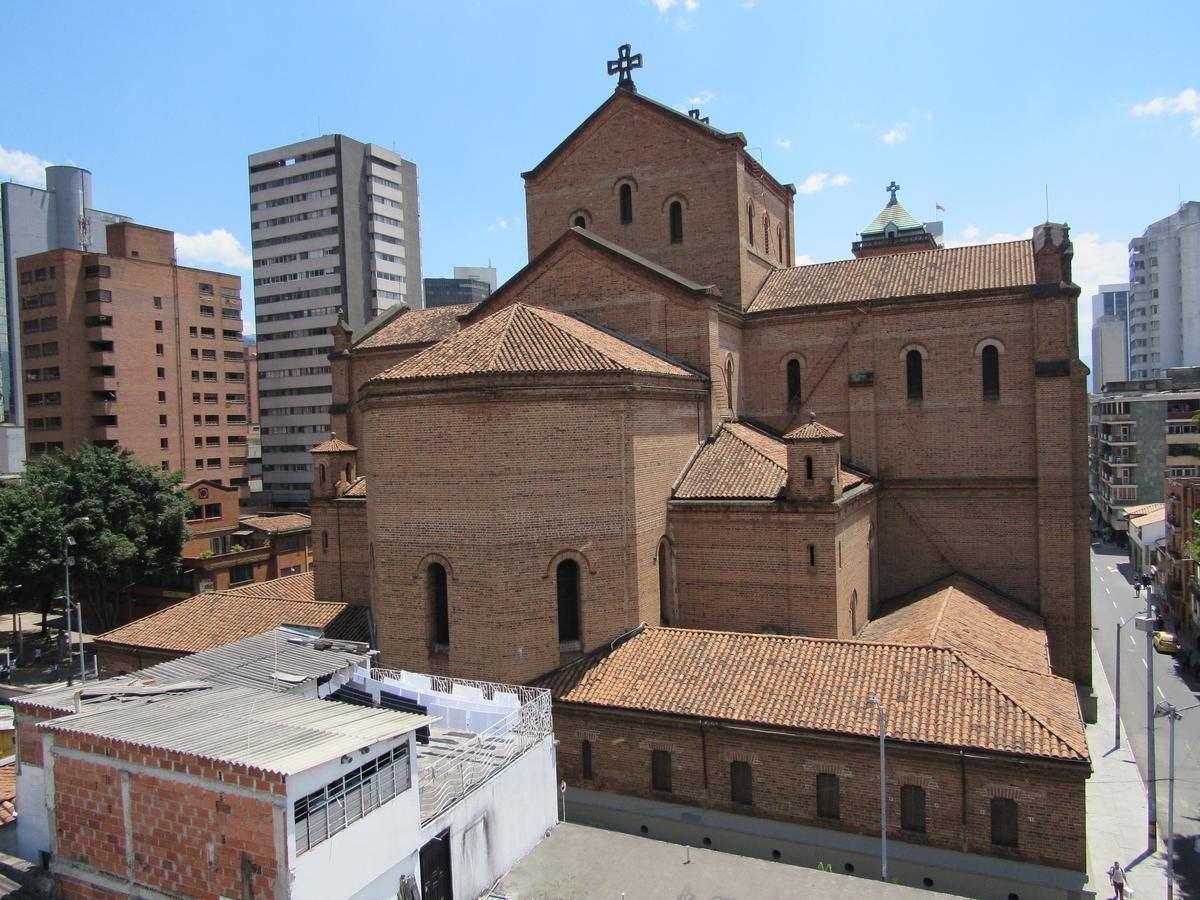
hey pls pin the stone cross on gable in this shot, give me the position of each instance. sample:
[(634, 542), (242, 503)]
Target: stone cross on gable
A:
[(893, 187), (695, 114), (624, 65)]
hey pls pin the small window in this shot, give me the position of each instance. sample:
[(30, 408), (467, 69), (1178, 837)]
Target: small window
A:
[(664, 583), (626, 194), (779, 242), (912, 808), (741, 789), (160, 373), (158, 325), (812, 555), (793, 384), (766, 234), (163, 443), (324, 540), (567, 583), (676, 216), (1004, 822), (660, 770), (913, 364), (158, 303), (750, 223), (580, 222), (439, 603), (586, 754), (159, 350), (162, 420), (990, 360), (321, 472), (828, 799), (162, 396)]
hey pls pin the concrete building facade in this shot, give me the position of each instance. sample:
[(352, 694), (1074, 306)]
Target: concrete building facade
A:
[(1164, 301), (33, 220), (128, 348), (1110, 335), (336, 235)]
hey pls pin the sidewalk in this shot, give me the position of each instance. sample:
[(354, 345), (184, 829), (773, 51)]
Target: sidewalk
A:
[(1116, 805)]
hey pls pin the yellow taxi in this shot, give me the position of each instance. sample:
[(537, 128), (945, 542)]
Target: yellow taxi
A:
[(1166, 642)]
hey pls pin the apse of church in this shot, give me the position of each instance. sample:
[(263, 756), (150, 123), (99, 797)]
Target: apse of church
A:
[(610, 438)]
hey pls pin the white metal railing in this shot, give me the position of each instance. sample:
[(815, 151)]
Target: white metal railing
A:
[(452, 777)]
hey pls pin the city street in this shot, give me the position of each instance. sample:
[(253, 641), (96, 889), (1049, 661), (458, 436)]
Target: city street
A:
[(1113, 599)]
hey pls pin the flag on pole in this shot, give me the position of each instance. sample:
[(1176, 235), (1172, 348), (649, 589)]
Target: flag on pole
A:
[(939, 207)]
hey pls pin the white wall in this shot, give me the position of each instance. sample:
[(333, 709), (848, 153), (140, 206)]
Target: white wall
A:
[(501, 821), (33, 819), (366, 859)]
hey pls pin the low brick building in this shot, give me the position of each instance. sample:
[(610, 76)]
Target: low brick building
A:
[(214, 618)]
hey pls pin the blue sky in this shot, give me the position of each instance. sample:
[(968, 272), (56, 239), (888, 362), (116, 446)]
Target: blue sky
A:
[(977, 106)]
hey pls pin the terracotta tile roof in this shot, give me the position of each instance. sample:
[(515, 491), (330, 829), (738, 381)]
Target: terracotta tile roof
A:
[(524, 339), (276, 524), (813, 431), (358, 487), (743, 462), (416, 326), (960, 269), (960, 613), (8, 794), (333, 445), (933, 695), (1141, 509), (290, 587), (220, 617), (1149, 518)]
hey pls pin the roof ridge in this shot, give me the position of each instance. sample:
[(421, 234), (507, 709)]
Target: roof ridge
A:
[(937, 625), (502, 340), (849, 642), (966, 659)]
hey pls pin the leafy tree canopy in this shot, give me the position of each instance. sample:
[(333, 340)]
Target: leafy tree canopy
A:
[(128, 520)]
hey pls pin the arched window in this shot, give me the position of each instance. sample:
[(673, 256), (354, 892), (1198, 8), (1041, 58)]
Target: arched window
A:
[(854, 611), (750, 223), (912, 807), (812, 555), (991, 372), (916, 382), (347, 472), (439, 603), (664, 582), (586, 755), (808, 470), (779, 242), (793, 384), (567, 581), (766, 234), (676, 216), (626, 194), (729, 385), (321, 469), (580, 222)]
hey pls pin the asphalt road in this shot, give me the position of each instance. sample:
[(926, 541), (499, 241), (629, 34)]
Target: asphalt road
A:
[(1113, 600)]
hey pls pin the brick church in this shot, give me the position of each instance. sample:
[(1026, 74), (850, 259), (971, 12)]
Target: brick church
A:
[(682, 481)]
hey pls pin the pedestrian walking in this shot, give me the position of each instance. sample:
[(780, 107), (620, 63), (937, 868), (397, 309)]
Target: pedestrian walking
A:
[(1116, 877)]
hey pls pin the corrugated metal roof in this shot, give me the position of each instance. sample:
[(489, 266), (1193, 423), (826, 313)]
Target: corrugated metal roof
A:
[(274, 732)]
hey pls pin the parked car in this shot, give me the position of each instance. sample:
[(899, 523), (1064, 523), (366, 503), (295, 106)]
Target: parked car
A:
[(1166, 642)]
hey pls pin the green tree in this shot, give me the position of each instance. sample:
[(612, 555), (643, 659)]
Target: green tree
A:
[(128, 520)]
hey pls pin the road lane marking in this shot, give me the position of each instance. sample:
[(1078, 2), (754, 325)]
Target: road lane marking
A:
[(1147, 668), (1114, 603), (1160, 693), (1134, 642)]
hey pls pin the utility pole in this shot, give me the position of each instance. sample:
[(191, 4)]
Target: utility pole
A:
[(1171, 713), (1117, 724), (68, 561), (883, 798), (1152, 809)]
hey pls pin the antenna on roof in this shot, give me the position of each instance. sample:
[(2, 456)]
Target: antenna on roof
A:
[(1047, 203)]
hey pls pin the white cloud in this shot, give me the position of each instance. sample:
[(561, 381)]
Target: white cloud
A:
[(17, 165), (1096, 262), (785, 143), (804, 260), (213, 248), (701, 98), (970, 232), (691, 5), (664, 5), (1186, 102), (817, 181), (899, 132)]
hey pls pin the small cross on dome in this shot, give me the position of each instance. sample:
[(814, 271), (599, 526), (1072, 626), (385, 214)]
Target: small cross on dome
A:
[(893, 187)]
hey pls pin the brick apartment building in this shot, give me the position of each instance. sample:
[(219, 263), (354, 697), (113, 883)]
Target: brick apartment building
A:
[(1176, 575), (128, 348)]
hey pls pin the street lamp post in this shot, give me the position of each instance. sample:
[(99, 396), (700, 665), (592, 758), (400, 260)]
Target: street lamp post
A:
[(1117, 724), (1152, 808), (68, 561), (883, 798), (1171, 713)]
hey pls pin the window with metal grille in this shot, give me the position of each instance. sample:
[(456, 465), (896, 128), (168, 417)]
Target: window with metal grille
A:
[(1004, 822), (660, 770), (912, 807), (828, 799), (325, 812), (741, 788)]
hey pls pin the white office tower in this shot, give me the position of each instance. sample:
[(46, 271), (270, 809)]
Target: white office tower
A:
[(335, 230), (1164, 301), (1110, 335)]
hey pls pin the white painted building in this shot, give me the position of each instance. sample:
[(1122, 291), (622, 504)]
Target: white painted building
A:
[(357, 783), (1164, 301)]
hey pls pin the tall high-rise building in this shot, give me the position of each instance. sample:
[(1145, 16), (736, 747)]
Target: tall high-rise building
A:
[(1164, 301), (128, 348), (470, 284), (32, 220), (335, 229), (1110, 335)]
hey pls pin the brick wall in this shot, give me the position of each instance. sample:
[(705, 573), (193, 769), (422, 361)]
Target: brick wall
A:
[(341, 561), (163, 820), (499, 490), (785, 767)]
